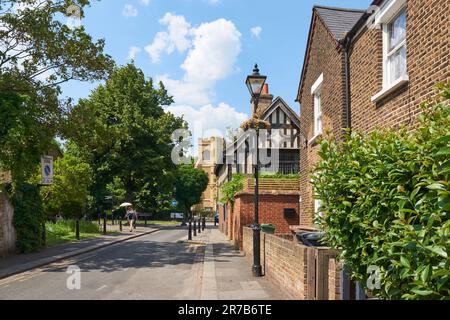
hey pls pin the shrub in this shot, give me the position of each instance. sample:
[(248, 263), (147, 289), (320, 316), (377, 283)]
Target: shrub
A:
[(28, 218), (386, 203), (231, 188)]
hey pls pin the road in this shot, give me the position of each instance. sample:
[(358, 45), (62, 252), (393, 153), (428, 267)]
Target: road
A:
[(155, 266)]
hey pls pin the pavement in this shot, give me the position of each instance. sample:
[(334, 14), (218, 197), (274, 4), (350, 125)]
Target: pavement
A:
[(157, 264), (227, 275)]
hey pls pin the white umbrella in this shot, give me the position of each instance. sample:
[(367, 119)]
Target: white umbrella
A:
[(126, 204)]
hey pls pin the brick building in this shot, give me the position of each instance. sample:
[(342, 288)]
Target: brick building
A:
[(281, 143), (367, 69)]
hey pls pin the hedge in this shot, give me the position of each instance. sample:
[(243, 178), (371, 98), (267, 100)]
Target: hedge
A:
[(386, 202)]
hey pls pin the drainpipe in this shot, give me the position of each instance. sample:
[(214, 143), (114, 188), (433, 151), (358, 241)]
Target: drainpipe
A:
[(348, 109)]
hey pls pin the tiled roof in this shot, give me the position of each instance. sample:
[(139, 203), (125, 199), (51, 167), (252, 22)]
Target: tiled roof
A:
[(339, 21)]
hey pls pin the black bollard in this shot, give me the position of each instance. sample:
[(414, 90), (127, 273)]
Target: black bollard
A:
[(120, 225), (203, 223), (44, 235), (104, 224), (190, 230), (146, 222), (77, 229), (199, 226), (195, 229)]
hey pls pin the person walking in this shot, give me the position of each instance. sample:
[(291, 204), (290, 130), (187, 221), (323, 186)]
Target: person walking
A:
[(131, 217)]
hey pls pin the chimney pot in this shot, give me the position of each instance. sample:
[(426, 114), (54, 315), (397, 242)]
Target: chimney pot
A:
[(265, 89)]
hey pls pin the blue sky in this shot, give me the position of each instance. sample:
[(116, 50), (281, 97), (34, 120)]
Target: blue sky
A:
[(204, 49)]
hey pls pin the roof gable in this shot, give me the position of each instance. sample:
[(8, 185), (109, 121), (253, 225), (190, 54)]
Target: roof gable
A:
[(280, 103), (337, 21)]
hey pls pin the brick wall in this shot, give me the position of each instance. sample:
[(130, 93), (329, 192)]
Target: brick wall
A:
[(271, 211), (283, 261), (7, 231), (324, 57), (428, 62), (295, 268)]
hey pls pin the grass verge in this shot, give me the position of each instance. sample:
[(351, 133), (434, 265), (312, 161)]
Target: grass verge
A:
[(63, 231)]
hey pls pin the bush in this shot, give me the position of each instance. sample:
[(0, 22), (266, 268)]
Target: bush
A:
[(28, 218), (386, 203)]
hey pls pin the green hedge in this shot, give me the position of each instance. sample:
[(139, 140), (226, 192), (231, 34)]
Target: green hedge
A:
[(29, 218), (386, 203)]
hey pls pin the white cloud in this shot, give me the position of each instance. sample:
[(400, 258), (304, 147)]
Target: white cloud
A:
[(212, 51), (133, 52), (145, 2), (185, 93), (176, 37), (214, 48), (129, 11), (256, 32), (208, 120)]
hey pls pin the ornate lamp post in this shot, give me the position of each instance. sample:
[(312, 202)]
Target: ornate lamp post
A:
[(255, 84)]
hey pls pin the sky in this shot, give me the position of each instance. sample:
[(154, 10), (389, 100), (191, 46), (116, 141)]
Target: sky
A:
[(203, 50)]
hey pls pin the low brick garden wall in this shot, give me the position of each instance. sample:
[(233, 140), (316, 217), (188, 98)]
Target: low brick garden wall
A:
[(303, 273)]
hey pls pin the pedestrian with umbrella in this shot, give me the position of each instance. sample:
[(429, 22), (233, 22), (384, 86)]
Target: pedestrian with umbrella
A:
[(130, 215)]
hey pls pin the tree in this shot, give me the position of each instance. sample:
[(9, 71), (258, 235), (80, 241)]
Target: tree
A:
[(38, 52), (126, 135), (69, 192), (190, 184)]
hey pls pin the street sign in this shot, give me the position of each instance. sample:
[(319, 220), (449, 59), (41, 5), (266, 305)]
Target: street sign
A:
[(47, 170), (174, 203)]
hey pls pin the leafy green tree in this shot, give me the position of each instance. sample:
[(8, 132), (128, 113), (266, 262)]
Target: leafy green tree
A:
[(38, 52), (68, 195), (189, 186), (386, 203), (126, 134)]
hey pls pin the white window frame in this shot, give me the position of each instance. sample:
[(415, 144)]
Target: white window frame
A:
[(316, 92), (317, 205), (384, 17)]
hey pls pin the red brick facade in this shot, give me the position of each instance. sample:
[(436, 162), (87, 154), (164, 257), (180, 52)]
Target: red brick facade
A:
[(324, 58), (428, 63), (271, 211)]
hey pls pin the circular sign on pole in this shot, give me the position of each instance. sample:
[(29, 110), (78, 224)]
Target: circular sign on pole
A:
[(47, 170)]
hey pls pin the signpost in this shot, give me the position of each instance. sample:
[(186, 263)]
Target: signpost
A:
[(47, 170)]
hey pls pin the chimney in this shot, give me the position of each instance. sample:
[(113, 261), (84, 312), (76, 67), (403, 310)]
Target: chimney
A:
[(265, 100)]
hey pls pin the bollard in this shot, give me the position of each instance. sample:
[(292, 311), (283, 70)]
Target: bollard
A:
[(146, 222), (195, 229), (190, 230), (199, 226), (104, 224), (204, 223), (77, 229), (44, 235), (120, 225)]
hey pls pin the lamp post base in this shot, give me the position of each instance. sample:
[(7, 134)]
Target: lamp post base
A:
[(257, 271)]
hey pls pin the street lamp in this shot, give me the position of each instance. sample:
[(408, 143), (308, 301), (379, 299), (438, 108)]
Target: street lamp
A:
[(255, 84)]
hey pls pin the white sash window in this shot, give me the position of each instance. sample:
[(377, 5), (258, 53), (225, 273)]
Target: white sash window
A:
[(392, 17)]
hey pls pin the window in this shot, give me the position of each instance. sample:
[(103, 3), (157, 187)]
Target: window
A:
[(396, 49), (317, 113), (317, 205), (392, 17), (206, 156), (316, 91)]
